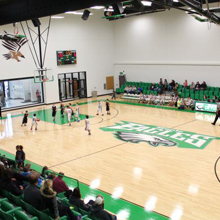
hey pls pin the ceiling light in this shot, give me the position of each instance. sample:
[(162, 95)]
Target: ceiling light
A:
[(146, 3), (57, 17), (76, 13), (109, 9), (175, 1), (97, 7)]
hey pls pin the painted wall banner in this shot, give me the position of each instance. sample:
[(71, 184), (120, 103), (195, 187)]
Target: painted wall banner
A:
[(156, 136)]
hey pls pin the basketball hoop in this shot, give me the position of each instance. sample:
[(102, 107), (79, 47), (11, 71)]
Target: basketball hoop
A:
[(43, 75)]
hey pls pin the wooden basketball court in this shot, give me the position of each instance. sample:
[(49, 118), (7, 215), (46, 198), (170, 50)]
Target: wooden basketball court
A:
[(160, 159)]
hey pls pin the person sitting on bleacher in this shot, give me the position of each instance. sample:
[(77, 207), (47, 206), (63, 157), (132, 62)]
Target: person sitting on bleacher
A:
[(97, 210), (133, 89), (203, 86), (171, 85), (165, 84), (50, 201), (75, 200), (32, 194), (192, 86), (152, 87), (60, 186), (197, 86), (176, 87), (9, 183), (126, 89), (140, 90)]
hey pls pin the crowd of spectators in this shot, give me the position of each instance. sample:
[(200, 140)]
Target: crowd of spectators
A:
[(40, 190)]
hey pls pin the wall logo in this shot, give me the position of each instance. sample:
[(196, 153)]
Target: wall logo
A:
[(159, 136), (14, 48)]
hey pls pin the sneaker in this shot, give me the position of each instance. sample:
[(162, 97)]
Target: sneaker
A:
[(212, 123), (35, 129), (102, 114)]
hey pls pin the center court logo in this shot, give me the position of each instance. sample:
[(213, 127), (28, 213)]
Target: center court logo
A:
[(159, 136)]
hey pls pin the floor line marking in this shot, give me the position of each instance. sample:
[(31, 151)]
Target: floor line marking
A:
[(184, 123), (87, 155)]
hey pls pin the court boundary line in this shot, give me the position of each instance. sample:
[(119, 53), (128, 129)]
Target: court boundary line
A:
[(215, 169)]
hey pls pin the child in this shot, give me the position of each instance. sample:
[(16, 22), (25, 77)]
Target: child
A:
[(62, 109), (54, 111), (69, 113), (72, 112), (20, 156), (162, 99), (25, 118), (77, 112), (108, 107), (114, 94), (34, 122), (87, 125), (99, 108)]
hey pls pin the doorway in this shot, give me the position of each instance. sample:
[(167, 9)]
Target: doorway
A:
[(72, 85)]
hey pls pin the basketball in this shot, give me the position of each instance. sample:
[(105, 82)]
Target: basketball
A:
[(38, 119), (44, 80)]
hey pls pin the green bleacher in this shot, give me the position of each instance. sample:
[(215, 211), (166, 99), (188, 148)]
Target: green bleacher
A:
[(210, 92)]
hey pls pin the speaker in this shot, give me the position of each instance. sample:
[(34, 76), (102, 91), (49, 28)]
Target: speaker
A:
[(118, 8), (138, 5), (85, 15), (36, 22)]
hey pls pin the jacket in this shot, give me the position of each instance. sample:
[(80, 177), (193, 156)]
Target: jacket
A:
[(98, 212), (50, 201), (11, 187), (32, 195), (78, 203)]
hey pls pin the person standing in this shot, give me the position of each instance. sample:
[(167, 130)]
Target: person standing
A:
[(77, 112), (25, 119), (99, 108), (87, 125), (34, 122), (54, 111), (0, 111), (216, 116), (69, 113), (62, 109), (108, 107)]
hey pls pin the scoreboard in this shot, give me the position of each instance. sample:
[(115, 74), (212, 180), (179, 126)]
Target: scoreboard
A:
[(65, 57)]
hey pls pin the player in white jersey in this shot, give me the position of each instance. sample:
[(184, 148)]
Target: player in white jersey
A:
[(99, 108), (34, 122), (87, 125), (69, 114), (77, 113)]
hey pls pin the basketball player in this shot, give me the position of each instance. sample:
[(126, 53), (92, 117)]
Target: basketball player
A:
[(72, 114), (77, 112), (25, 118), (69, 113), (62, 109), (99, 108), (54, 111), (87, 125), (216, 116), (34, 122), (108, 107)]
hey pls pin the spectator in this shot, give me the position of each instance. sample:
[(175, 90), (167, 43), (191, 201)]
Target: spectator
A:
[(75, 199), (20, 156), (97, 210), (204, 98), (50, 201), (2, 170), (165, 84), (203, 86), (60, 186), (171, 85), (176, 87), (133, 89), (197, 86), (126, 89), (32, 194), (161, 81), (185, 85), (152, 87), (43, 174), (140, 90), (192, 86), (8, 183)]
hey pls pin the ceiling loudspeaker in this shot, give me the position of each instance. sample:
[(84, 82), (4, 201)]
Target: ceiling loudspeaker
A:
[(85, 15), (36, 22), (118, 8), (138, 5)]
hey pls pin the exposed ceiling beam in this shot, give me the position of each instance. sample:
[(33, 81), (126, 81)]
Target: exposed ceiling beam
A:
[(12, 11)]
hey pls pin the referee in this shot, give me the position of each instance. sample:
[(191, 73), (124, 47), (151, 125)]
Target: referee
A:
[(216, 116)]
